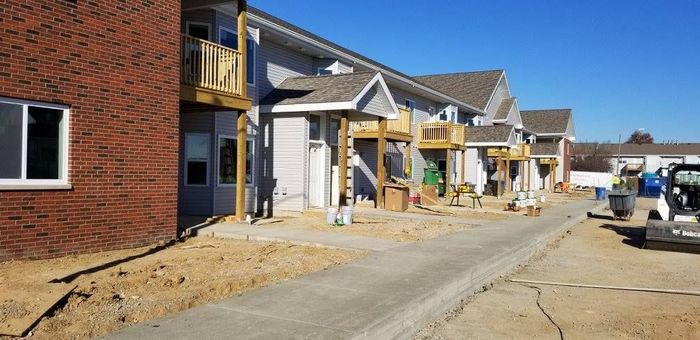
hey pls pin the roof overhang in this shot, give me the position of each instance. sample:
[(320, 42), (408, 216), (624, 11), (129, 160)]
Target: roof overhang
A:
[(404, 81), (351, 105), (487, 144), (544, 156)]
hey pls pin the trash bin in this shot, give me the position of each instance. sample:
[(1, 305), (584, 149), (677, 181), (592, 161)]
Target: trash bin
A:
[(431, 175), (651, 186), (599, 193), (622, 203)]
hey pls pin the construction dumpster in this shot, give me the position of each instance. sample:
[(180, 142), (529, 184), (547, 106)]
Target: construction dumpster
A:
[(651, 186), (622, 203)]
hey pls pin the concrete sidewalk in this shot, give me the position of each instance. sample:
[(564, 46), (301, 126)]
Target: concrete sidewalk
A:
[(298, 236), (389, 294)]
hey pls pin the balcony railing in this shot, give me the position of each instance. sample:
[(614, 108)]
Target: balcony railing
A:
[(523, 151), (210, 66), (400, 126), (442, 133)]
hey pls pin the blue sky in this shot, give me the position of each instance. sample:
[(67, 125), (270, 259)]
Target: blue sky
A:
[(621, 65)]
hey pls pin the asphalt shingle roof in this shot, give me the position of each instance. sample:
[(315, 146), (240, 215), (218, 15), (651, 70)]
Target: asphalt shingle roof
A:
[(319, 89), (546, 121), (489, 134), (473, 88), (683, 149), (504, 108), (544, 149)]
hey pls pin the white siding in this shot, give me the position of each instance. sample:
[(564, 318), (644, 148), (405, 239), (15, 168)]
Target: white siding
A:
[(277, 63)]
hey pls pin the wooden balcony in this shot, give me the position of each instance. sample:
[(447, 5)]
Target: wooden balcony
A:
[(521, 153), (397, 130), (441, 135), (211, 74)]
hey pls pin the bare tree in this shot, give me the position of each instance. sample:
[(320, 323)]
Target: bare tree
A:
[(591, 157), (640, 137)]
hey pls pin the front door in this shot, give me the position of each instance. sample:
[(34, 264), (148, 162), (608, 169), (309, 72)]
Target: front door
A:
[(316, 176)]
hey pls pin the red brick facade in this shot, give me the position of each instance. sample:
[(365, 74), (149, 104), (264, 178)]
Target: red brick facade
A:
[(116, 64), (566, 160)]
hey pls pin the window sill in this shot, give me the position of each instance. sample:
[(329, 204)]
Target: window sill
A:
[(34, 187)]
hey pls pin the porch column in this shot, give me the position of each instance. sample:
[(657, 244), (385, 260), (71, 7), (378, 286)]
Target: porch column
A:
[(551, 187), (508, 172), (529, 175), (381, 170), (448, 171), (499, 171), (408, 161), (243, 46), (241, 152), (554, 176), (462, 176), (343, 161)]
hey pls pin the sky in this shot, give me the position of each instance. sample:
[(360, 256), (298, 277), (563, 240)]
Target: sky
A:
[(621, 65)]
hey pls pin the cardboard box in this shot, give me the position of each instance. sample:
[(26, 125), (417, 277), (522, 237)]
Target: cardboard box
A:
[(395, 197), (429, 195)]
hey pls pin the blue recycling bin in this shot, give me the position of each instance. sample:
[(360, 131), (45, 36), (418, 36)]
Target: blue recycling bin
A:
[(599, 193), (651, 186)]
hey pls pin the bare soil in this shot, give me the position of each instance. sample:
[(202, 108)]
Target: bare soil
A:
[(120, 288), (599, 251), (401, 230)]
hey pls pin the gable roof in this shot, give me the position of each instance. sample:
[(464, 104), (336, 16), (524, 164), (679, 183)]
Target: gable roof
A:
[(555, 121), (474, 88), (329, 92), (489, 135), (504, 109), (260, 17), (539, 150)]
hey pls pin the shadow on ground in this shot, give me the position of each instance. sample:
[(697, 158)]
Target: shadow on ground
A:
[(635, 236)]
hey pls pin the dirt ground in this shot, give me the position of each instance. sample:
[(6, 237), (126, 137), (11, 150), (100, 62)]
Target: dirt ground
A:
[(599, 251), (141, 284), (401, 230)]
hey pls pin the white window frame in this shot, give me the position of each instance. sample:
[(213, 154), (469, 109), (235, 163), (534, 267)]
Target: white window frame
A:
[(331, 142), (64, 150), (253, 53), (188, 23), (187, 134), (322, 128), (412, 109), (218, 160), (319, 69)]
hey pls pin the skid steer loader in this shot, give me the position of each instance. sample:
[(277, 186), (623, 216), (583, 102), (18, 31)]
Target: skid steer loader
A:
[(675, 224)]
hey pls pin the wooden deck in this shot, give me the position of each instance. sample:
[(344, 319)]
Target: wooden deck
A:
[(441, 136), (398, 130)]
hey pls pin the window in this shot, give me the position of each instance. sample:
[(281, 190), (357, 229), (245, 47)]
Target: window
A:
[(453, 118), (322, 71), (197, 159), (228, 149), (229, 38), (443, 116), (199, 30), (33, 143), (411, 106), (335, 131), (315, 127)]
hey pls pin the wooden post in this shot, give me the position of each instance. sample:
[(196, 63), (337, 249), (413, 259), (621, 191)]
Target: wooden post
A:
[(448, 171), (408, 161), (462, 175), (242, 45), (499, 171), (508, 172), (381, 153), (554, 177), (551, 175), (241, 162), (343, 161)]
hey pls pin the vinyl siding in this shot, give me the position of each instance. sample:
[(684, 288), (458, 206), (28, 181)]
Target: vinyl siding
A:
[(344, 67), (374, 102), (196, 200), (277, 63), (365, 179), (284, 150), (502, 92)]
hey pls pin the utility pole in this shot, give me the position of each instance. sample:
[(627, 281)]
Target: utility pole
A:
[(619, 150)]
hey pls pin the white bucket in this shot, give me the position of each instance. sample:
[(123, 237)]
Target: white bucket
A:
[(543, 198), (332, 216), (531, 195), (522, 195), (347, 215)]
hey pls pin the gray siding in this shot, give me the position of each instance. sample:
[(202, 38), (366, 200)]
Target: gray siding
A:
[(283, 162), (344, 68), (374, 102), (365, 179), (502, 92), (196, 200), (277, 63)]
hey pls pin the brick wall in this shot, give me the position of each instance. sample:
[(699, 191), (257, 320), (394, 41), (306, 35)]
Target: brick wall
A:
[(115, 63), (566, 160)]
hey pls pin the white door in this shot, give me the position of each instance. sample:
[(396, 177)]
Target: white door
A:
[(335, 192), (315, 191)]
